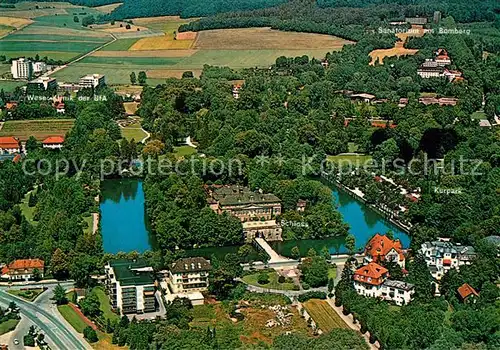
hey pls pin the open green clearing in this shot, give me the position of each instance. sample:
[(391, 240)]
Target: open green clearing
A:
[(137, 134), (479, 115), (332, 272), (40, 129), (273, 281), (184, 151), (8, 326), (29, 294), (26, 209)]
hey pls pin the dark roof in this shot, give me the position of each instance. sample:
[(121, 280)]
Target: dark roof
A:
[(132, 272), (399, 285), (237, 195), (196, 264)]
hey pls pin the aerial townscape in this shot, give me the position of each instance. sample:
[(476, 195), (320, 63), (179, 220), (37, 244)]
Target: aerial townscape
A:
[(258, 174)]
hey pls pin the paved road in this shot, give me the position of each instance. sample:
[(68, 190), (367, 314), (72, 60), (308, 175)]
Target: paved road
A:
[(43, 314)]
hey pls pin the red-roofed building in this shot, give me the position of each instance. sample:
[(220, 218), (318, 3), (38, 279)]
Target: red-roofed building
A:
[(53, 142), (371, 274), (467, 293), (9, 145), (380, 248), (23, 269), (372, 280)]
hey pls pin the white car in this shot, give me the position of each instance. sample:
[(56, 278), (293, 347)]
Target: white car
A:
[(16, 342)]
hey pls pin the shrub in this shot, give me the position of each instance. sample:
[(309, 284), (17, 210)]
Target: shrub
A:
[(306, 286), (263, 278), (127, 26), (281, 279), (312, 295), (90, 334), (295, 287)]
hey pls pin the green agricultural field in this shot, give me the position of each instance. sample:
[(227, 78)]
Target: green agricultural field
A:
[(132, 61), (54, 37), (55, 55), (40, 129), (120, 45), (243, 58), (37, 46), (114, 74)]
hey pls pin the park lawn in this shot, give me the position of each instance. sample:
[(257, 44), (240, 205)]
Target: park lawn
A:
[(479, 115), (90, 224), (332, 272), (105, 305), (184, 151), (29, 295), (26, 209), (72, 317), (354, 159), (8, 326), (325, 317), (135, 133), (273, 281)]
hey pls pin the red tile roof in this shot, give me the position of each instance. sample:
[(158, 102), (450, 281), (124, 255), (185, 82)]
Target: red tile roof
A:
[(23, 264), (53, 140), (465, 291), (372, 273), (9, 142), (378, 247)]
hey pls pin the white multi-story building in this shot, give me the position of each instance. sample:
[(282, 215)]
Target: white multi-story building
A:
[(189, 275), (130, 285), (21, 68), (39, 67), (92, 81), (371, 280), (443, 255)]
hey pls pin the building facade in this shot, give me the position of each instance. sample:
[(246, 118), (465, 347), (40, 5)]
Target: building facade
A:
[(270, 230), (130, 285), (21, 68), (43, 83), (53, 142), (23, 269), (372, 280), (257, 211), (443, 255), (92, 81), (189, 275), (39, 67), (380, 248)]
